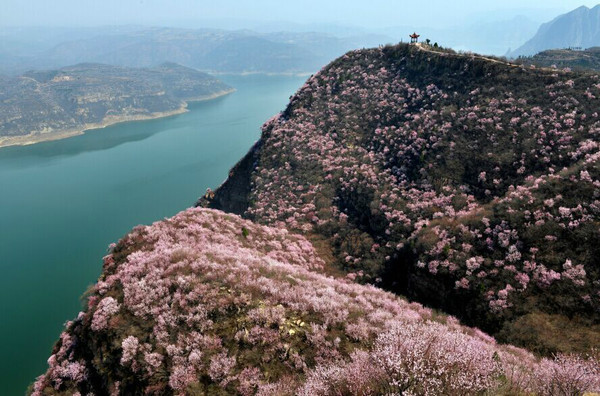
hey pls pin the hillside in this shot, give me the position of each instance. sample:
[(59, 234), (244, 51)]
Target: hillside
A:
[(206, 303), (578, 28), (588, 59), (461, 182), (47, 105)]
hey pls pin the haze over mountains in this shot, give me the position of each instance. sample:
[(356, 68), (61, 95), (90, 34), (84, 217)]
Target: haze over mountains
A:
[(578, 28), (211, 50), (274, 48), (489, 37), (278, 47)]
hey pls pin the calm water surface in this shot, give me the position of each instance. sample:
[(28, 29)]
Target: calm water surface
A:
[(63, 202)]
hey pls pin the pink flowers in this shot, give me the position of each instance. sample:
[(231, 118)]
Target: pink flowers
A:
[(523, 279), (473, 263), (462, 284), (220, 367), (564, 212), (107, 307), (575, 273), (319, 330), (545, 277), (585, 176), (130, 347), (181, 377), (384, 170), (567, 375)]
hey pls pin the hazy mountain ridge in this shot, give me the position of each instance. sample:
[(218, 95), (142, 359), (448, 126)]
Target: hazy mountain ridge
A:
[(210, 50), (578, 28), (463, 182), (42, 105), (491, 37)]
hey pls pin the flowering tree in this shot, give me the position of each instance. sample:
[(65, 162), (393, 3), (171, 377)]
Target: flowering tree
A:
[(469, 185), (194, 304)]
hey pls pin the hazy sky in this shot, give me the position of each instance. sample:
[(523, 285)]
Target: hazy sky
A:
[(366, 13)]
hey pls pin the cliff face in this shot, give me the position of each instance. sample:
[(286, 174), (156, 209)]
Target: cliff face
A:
[(41, 105), (578, 28), (209, 303), (462, 182), (233, 195)]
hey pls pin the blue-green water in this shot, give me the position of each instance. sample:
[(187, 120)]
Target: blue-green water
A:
[(63, 202)]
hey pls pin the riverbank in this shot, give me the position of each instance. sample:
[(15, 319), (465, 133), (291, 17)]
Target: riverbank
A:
[(38, 137)]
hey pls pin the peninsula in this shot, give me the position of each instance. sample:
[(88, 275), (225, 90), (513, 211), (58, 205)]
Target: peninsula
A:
[(49, 105)]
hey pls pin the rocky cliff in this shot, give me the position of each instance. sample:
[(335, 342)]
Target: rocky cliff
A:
[(578, 28)]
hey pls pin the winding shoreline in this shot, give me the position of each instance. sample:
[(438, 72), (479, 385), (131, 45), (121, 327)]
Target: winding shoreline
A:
[(25, 140)]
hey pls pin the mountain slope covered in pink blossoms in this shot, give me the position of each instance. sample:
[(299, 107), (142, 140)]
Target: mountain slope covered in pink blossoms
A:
[(207, 303), (466, 184)]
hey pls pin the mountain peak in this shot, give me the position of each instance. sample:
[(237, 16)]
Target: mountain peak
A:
[(577, 28)]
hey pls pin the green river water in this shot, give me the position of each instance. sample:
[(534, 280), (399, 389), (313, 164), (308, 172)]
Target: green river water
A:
[(63, 202)]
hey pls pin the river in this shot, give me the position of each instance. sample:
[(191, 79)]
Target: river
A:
[(63, 202)]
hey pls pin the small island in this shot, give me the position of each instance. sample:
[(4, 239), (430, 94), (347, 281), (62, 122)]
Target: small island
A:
[(49, 105)]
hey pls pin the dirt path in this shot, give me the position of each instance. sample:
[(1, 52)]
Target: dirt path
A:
[(425, 48), (422, 47)]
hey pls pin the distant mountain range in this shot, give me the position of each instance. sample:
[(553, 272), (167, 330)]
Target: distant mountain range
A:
[(48, 105), (578, 28), (210, 50), (493, 38), (272, 48)]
